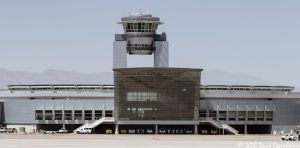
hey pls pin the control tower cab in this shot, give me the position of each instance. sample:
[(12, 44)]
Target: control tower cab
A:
[(140, 38), (140, 31)]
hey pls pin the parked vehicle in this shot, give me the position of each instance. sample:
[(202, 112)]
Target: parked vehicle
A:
[(108, 131), (162, 131), (62, 131), (188, 131), (289, 137), (179, 131), (140, 131), (171, 131), (11, 130), (123, 131), (131, 131), (149, 131), (84, 131), (3, 130), (49, 132)]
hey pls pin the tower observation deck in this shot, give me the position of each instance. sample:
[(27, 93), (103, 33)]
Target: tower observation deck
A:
[(140, 38), (140, 31)]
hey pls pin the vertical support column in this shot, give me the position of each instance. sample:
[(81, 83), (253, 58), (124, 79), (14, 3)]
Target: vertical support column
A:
[(217, 113), (103, 112), (245, 129), (83, 115), (73, 114), (120, 54), (255, 116), (265, 113), (53, 114), (116, 129), (156, 129), (237, 114), (246, 115), (161, 54), (196, 129), (207, 114), (227, 113), (63, 117), (93, 114), (64, 125), (44, 114)]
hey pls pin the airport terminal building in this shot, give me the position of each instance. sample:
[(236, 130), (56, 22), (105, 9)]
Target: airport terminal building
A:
[(247, 109), (150, 100)]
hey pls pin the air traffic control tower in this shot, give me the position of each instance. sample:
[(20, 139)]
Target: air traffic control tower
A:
[(140, 38), (152, 97)]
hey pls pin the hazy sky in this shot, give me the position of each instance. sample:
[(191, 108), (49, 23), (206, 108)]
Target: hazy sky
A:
[(255, 37)]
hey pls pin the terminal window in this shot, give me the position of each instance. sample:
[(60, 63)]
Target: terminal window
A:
[(251, 115), (222, 115), (269, 115), (108, 113), (48, 115), (260, 115), (58, 114), (202, 114), (242, 115), (78, 114), (157, 93), (68, 114), (88, 115), (232, 115), (98, 114), (39, 115), (213, 114)]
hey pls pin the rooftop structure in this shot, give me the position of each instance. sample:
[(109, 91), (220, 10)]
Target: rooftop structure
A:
[(140, 31), (140, 38), (111, 87)]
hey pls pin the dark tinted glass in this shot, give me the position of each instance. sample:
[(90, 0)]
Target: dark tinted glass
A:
[(157, 93)]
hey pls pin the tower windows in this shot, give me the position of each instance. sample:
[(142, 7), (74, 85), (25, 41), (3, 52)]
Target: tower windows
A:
[(140, 27)]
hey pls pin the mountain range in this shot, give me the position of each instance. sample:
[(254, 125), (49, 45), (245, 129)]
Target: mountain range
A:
[(209, 77)]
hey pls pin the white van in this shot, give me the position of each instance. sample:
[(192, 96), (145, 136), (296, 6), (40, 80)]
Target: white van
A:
[(84, 131)]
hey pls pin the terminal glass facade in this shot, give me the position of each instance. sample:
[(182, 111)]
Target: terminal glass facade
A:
[(156, 93)]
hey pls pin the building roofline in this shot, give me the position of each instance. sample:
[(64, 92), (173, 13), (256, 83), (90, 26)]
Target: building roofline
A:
[(109, 86)]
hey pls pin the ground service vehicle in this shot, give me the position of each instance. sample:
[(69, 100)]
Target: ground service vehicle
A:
[(131, 131), (140, 131), (49, 132), (84, 131), (149, 131), (3, 130), (162, 131), (289, 137), (108, 131), (123, 131), (62, 131)]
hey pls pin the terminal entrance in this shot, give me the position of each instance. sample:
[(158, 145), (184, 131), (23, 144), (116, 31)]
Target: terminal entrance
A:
[(136, 129), (151, 129), (175, 129)]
